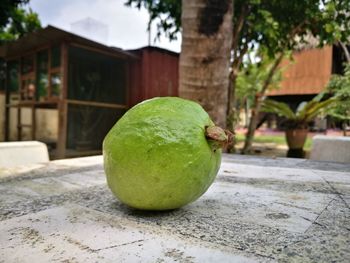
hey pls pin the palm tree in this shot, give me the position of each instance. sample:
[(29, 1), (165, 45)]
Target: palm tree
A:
[(205, 55)]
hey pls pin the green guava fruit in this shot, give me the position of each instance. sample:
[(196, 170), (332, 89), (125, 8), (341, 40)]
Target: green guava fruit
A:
[(162, 154)]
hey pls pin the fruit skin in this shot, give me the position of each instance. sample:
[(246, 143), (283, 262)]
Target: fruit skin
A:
[(156, 157)]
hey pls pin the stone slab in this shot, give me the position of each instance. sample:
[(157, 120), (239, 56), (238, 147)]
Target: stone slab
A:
[(257, 210), (13, 154), (77, 234), (15, 191), (330, 149), (297, 163)]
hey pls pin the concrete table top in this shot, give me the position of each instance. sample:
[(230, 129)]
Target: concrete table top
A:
[(257, 210)]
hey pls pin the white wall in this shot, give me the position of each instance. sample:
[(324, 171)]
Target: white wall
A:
[(46, 124)]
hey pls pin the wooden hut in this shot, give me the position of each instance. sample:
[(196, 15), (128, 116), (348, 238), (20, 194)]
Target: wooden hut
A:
[(68, 91), (308, 74), (154, 74)]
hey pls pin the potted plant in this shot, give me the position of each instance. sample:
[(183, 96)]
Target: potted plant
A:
[(297, 122)]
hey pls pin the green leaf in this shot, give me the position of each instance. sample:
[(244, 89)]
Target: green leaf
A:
[(317, 108), (280, 108)]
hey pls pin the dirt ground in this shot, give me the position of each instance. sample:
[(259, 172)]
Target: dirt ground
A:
[(274, 150)]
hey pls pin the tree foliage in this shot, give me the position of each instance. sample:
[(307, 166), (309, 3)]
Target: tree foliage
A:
[(271, 23), (166, 13), (340, 87), (7, 7), (251, 77), (16, 20)]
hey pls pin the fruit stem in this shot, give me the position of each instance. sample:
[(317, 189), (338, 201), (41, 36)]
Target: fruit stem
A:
[(221, 137)]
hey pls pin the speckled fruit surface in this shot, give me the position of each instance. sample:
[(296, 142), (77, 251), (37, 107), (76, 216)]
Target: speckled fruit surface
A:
[(157, 157)]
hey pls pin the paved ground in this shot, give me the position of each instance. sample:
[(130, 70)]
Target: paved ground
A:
[(258, 210)]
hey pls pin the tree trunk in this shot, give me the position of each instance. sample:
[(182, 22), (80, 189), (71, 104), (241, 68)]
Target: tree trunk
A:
[(346, 51), (257, 106), (343, 126), (238, 53), (231, 109), (252, 125), (205, 55)]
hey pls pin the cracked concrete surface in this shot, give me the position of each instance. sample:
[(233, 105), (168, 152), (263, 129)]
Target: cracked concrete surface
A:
[(257, 210)]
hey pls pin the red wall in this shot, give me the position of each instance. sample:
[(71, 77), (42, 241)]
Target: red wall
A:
[(155, 74)]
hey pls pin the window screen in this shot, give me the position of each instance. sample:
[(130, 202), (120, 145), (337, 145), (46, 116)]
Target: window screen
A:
[(96, 77)]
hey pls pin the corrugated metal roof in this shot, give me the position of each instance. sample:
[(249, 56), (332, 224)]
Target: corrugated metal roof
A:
[(309, 73), (158, 49), (54, 35)]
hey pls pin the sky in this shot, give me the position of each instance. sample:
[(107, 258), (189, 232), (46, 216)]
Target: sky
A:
[(127, 27)]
